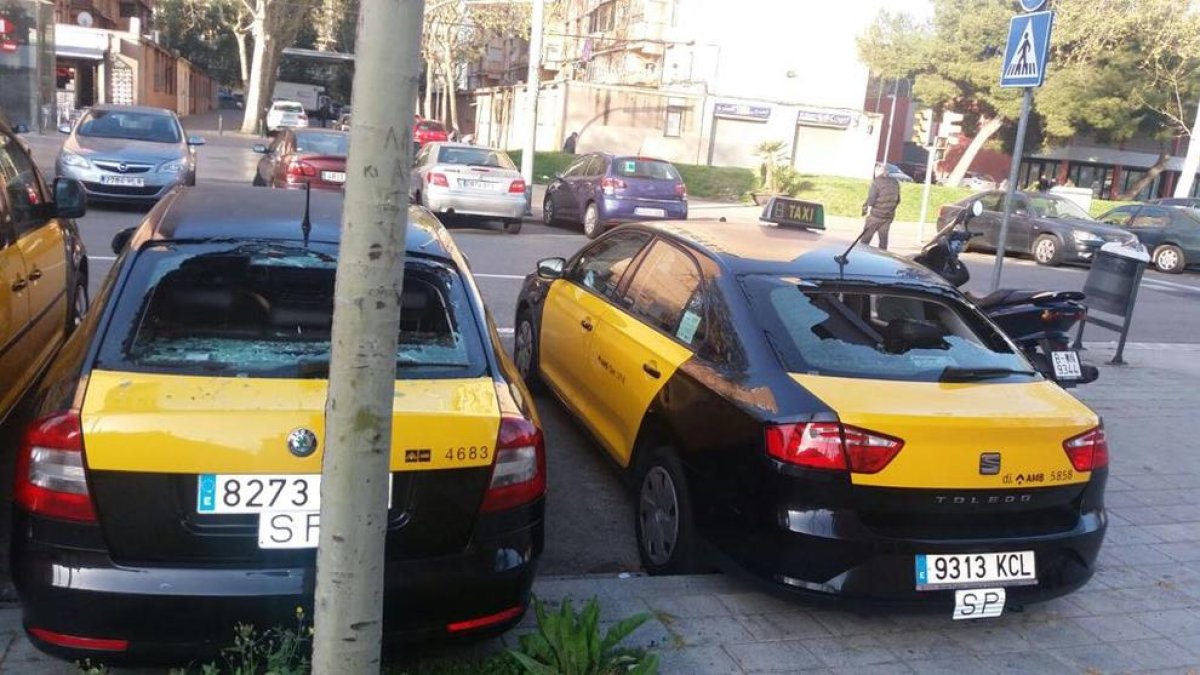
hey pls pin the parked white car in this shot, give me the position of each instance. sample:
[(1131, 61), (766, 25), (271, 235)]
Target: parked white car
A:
[(978, 181), (284, 114), (462, 180)]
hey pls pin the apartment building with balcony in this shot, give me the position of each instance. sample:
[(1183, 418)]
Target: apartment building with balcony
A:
[(106, 14), (701, 81)]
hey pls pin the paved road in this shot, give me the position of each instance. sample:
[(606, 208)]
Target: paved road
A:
[(584, 489)]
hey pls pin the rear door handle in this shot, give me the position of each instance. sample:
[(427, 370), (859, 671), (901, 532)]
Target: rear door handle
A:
[(651, 369), (587, 324), (35, 274), (19, 285)]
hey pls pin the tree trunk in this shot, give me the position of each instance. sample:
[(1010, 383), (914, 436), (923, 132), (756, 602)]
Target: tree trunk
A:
[(362, 372), (1159, 165), (255, 96), (451, 93), (243, 60), (987, 129), (427, 108)]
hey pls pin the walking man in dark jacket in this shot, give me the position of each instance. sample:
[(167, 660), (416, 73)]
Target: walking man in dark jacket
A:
[(880, 207)]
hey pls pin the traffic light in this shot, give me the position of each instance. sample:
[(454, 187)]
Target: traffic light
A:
[(922, 125), (951, 124)]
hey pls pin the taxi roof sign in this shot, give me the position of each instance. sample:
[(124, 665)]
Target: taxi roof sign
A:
[(791, 212)]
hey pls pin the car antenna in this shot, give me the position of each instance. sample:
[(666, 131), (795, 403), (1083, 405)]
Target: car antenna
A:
[(844, 259), (306, 224)]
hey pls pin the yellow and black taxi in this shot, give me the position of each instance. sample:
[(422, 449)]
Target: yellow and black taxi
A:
[(834, 426), (169, 486), (43, 268)]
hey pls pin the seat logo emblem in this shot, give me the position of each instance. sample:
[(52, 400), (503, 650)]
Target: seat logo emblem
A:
[(989, 463), (302, 442)]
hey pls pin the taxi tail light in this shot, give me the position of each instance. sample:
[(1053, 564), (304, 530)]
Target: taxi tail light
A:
[(434, 178), (1088, 451), (50, 478), (831, 446), (485, 621), (78, 641), (517, 187), (612, 185), (519, 468)]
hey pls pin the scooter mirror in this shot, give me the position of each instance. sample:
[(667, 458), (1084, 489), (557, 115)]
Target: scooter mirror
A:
[(976, 208)]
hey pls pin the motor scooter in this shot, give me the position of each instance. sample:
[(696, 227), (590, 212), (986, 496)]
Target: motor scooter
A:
[(1039, 322)]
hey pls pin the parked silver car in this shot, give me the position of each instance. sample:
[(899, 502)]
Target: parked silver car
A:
[(458, 179), (128, 153)]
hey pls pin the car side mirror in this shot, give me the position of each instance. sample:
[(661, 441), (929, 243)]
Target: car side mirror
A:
[(70, 199), (195, 140), (551, 268), (259, 148), (121, 239), (64, 128)]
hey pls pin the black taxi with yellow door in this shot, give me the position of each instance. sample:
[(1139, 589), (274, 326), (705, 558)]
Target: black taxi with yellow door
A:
[(169, 486), (837, 427), (43, 268)]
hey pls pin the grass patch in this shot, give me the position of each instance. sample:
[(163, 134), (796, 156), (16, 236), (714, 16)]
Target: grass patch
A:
[(728, 183)]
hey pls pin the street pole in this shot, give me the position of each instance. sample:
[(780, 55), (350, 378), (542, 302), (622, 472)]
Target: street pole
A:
[(1191, 162), (1013, 174), (931, 158), (887, 144), (348, 621), (531, 96)]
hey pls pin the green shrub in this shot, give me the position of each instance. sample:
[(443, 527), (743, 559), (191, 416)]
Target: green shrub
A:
[(567, 643)]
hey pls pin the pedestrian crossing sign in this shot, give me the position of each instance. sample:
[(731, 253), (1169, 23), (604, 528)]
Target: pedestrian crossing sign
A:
[(1028, 47)]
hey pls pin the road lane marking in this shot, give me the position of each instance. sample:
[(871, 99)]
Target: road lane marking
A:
[(102, 258), (1172, 284), (505, 331), (498, 276)]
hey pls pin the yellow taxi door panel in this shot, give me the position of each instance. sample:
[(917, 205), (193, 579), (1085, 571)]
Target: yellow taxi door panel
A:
[(568, 320), (946, 427), (15, 362), (44, 251), (630, 362), (140, 422)]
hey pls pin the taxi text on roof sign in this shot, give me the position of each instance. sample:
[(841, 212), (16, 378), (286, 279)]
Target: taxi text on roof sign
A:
[(794, 213)]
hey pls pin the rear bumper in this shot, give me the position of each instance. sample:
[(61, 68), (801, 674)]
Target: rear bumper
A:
[(177, 613), (614, 210), (504, 206)]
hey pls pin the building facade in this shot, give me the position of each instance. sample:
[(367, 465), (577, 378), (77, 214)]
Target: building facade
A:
[(27, 62), (124, 15), (697, 81)]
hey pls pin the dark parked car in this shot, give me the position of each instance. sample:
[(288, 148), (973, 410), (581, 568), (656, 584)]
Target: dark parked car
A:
[(298, 156), (1193, 202), (1170, 233), (1052, 229), (600, 189)]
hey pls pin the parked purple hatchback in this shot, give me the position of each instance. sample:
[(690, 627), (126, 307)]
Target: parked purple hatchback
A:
[(599, 190)]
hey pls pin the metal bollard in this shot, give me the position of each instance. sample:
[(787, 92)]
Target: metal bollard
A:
[(220, 125)]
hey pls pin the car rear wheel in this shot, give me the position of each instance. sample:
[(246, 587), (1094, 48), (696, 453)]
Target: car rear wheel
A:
[(591, 221), (512, 226), (548, 215), (1047, 251), (525, 350), (666, 530), (1169, 259)]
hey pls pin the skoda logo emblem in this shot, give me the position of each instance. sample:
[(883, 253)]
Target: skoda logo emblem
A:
[(302, 442), (122, 167)]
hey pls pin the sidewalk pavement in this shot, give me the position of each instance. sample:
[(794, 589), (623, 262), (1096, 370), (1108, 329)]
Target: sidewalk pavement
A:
[(1141, 613)]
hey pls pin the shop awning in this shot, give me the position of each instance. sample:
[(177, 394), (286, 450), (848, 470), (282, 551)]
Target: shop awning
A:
[(82, 53)]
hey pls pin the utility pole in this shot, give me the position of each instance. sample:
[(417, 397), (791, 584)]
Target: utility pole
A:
[(531, 96), (362, 371), (1191, 162), (887, 144)]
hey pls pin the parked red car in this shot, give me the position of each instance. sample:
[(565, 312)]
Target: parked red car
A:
[(428, 131), (299, 156)]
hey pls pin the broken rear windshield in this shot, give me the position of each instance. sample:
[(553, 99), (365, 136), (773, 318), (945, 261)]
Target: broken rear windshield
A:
[(878, 332), (265, 310)]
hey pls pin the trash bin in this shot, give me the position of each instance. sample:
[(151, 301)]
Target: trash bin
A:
[(1112, 288)]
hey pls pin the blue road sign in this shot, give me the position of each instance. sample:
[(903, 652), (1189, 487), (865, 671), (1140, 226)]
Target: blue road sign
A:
[(1032, 5), (1024, 62)]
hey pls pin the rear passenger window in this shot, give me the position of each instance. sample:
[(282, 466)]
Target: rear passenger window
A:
[(602, 266), (665, 293), (266, 310)]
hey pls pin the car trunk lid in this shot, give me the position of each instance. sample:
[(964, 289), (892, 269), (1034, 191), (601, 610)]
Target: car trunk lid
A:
[(149, 438)]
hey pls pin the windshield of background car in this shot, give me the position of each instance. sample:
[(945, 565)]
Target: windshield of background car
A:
[(137, 126), (264, 309), (640, 167), (289, 107), (874, 333), (430, 126), (1045, 206), (495, 159), (321, 143)]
